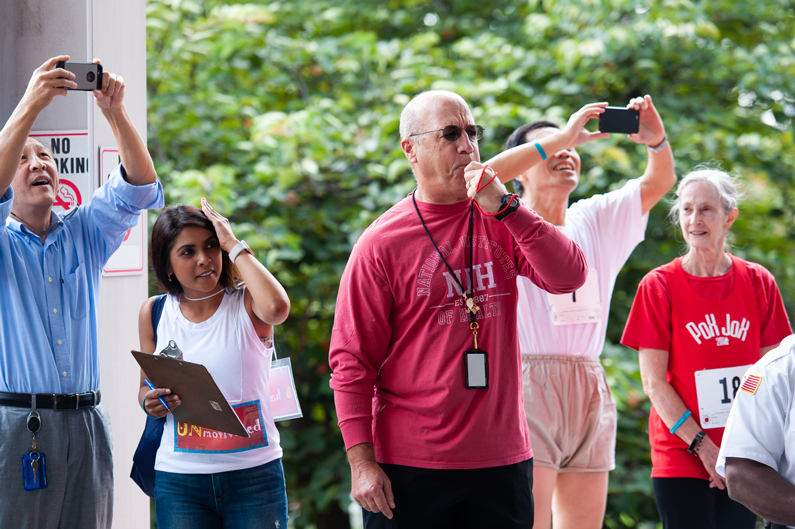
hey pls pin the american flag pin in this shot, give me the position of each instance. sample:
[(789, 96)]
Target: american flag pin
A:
[(751, 384)]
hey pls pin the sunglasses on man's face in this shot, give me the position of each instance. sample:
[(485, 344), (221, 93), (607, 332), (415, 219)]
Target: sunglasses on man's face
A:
[(453, 132)]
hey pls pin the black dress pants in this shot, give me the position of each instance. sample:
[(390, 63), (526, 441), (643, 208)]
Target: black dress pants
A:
[(498, 497), (689, 503)]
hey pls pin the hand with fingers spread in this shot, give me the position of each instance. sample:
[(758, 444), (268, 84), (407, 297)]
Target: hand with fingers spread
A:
[(111, 97), (478, 175), (47, 82), (154, 407), (574, 132), (651, 130), (370, 486), (226, 238)]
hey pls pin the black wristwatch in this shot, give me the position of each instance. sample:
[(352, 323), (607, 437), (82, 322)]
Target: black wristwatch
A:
[(510, 201), (693, 448)]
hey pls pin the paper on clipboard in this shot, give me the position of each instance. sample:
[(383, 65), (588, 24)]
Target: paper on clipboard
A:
[(203, 404)]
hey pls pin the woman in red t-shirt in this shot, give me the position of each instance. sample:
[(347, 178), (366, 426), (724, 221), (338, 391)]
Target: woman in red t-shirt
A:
[(698, 322)]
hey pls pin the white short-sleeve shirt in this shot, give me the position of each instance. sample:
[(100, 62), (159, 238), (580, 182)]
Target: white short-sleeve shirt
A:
[(760, 424), (607, 228)]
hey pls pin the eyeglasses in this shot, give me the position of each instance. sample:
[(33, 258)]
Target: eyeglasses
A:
[(453, 132)]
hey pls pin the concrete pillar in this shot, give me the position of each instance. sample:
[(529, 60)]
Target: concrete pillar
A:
[(31, 31)]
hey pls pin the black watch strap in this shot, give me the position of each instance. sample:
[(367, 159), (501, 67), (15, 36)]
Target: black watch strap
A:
[(693, 448), (510, 201)]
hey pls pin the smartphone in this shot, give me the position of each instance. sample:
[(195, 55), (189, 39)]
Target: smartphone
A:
[(88, 75), (620, 120)]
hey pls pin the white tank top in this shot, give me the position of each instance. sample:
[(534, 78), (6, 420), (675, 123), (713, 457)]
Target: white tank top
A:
[(228, 346)]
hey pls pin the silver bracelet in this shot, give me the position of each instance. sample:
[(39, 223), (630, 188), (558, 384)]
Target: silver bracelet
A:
[(659, 146)]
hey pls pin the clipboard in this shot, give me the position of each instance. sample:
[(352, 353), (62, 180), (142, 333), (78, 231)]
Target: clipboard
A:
[(203, 404)]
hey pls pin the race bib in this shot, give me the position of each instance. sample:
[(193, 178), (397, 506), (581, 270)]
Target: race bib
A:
[(191, 438), (581, 306), (716, 390)]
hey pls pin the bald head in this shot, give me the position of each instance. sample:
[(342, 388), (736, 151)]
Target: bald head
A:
[(412, 119)]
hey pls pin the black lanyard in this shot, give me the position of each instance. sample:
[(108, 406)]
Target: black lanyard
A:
[(469, 301)]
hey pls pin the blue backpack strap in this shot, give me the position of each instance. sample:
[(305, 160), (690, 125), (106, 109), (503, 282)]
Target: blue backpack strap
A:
[(157, 311), (143, 469)]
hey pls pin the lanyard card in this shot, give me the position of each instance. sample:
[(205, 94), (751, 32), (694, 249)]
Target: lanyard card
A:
[(284, 400), (716, 390), (476, 369)]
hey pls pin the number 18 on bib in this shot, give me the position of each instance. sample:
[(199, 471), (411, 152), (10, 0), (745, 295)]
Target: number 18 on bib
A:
[(716, 390)]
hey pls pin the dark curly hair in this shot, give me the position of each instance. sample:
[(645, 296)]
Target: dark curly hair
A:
[(519, 137), (167, 228)]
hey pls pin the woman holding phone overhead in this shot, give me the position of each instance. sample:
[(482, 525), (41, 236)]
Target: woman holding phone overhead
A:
[(206, 480), (698, 323)]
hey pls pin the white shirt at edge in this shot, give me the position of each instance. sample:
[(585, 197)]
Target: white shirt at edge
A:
[(760, 425)]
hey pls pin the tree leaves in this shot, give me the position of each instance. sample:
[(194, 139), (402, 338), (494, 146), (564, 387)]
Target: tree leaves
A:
[(285, 115)]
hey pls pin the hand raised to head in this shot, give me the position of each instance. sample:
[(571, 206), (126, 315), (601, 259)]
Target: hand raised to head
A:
[(47, 82), (112, 94), (223, 230)]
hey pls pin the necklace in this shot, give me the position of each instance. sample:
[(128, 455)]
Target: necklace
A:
[(469, 301), (205, 297), (29, 226)]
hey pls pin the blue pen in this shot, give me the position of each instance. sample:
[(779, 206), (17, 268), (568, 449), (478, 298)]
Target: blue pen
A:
[(158, 398)]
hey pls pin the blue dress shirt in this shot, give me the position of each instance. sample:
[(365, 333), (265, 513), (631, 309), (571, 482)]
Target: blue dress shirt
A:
[(49, 293)]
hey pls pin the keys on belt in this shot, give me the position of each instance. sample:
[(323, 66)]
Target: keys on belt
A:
[(50, 401)]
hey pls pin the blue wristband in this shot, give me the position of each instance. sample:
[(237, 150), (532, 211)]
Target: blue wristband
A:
[(680, 422), (541, 151)]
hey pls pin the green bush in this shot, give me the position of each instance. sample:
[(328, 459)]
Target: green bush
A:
[(284, 115)]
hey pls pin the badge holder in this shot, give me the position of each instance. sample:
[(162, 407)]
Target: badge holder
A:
[(284, 399), (476, 364), (34, 473), (171, 351)]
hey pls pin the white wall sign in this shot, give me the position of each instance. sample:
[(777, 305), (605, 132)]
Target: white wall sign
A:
[(129, 259), (72, 154)]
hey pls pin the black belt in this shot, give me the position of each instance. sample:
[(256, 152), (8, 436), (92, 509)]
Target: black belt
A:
[(50, 401)]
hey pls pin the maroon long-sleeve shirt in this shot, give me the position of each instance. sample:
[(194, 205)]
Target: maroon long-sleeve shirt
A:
[(400, 332)]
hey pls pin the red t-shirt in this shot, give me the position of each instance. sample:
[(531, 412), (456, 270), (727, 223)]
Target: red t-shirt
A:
[(690, 329), (400, 332)]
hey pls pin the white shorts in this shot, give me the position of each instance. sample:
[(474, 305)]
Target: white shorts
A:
[(570, 413)]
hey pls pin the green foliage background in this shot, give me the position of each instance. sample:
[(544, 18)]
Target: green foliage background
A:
[(285, 116)]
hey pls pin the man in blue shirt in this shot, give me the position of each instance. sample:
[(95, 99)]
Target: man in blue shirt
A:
[(50, 270)]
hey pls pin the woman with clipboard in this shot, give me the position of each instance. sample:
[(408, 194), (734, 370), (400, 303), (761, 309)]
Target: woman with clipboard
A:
[(206, 478)]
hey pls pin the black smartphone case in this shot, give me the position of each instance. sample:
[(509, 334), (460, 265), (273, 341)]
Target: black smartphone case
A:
[(619, 120)]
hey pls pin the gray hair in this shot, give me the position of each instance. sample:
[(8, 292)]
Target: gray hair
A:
[(415, 111), (728, 187)]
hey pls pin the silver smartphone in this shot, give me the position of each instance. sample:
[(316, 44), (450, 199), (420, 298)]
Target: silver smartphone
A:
[(88, 75)]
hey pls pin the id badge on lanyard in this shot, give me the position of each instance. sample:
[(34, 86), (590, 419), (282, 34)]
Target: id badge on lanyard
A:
[(284, 399), (476, 360)]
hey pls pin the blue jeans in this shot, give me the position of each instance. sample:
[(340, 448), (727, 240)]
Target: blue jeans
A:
[(250, 498)]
